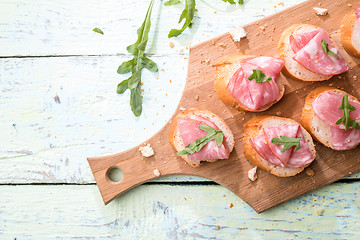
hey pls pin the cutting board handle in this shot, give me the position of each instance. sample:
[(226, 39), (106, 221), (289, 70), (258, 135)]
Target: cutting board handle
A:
[(136, 169)]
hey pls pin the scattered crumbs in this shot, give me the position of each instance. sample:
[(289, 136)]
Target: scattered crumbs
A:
[(163, 70), (218, 227), (238, 33), (210, 95), (181, 50), (165, 162), (185, 199), (222, 44), (308, 19), (331, 84), (320, 11), (319, 3), (147, 150), (278, 113), (182, 109), (171, 44), (257, 34), (252, 174), (281, 3), (320, 211), (185, 162), (355, 78), (310, 172), (57, 99), (296, 186), (339, 77), (231, 205), (214, 11), (213, 42), (156, 172), (349, 4), (197, 97), (224, 195), (262, 29)]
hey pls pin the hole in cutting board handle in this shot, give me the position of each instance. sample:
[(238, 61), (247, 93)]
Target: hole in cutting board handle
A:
[(114, 174)]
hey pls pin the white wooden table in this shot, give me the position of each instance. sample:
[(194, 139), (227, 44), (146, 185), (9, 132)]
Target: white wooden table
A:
[(58, 105)]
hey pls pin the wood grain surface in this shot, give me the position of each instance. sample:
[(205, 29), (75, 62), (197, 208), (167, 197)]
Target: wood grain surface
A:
[(268, 190)]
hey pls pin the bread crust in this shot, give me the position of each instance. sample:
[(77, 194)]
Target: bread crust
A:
[(346, 29), (252, 129), (176, 142), (308, 112), (285, 52), (225, 69)]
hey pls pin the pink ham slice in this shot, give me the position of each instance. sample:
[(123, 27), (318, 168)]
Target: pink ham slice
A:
[(251, 94), (326, 107), (260, 145), (276, 132), (313, 57), (271, 65), (303, 155), (343, 139), (298, 41), (357, 12), (190, 131), (300, 158)]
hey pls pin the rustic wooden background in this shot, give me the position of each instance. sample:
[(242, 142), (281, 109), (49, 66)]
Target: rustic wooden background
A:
[(58, 105)]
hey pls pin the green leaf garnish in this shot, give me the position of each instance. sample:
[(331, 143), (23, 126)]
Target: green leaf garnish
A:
[(136, 64), (171, 2), (188, 14), (326, 49), (196, 146), (346, 107), (259, 76), (287, 142), (98, 30), (233, 2)]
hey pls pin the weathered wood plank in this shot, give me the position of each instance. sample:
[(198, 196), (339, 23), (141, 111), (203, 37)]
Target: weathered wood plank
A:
[(61, 27), (57, 111), (174, 212)]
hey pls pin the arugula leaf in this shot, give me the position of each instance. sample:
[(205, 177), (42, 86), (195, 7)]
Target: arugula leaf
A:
[(136, 64), (259, 76), (197, 145), (98, 30), (171, 2), (188, 13), (287, 142), (229, 1), (326, 49), (346, 107)]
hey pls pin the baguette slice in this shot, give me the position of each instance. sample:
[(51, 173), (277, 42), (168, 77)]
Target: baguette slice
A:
[(177, 142), (225, 69), (313, 124), (292, 68), (350, 33), (254, 127)]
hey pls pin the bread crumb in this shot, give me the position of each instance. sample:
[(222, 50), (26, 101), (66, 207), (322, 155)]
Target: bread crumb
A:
[(278, 113), (238, 33), (355, 77), (252, 174), (157, 172), (147, 150), (197, 97), (310, 172), (231, 205), (218, 227), (182, 109), (222, 44), (213, 42), (262, 29), (349, 4), (171, 44), (320, 211), (320, 11)]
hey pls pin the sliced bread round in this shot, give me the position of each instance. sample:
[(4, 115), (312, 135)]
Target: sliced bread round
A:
[(350, 33), (177, 142), (292, 68), (312, 123), (254, 127), (225, 69)]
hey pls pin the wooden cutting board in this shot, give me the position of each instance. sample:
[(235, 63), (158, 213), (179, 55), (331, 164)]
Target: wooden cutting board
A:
[(268, 190)]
